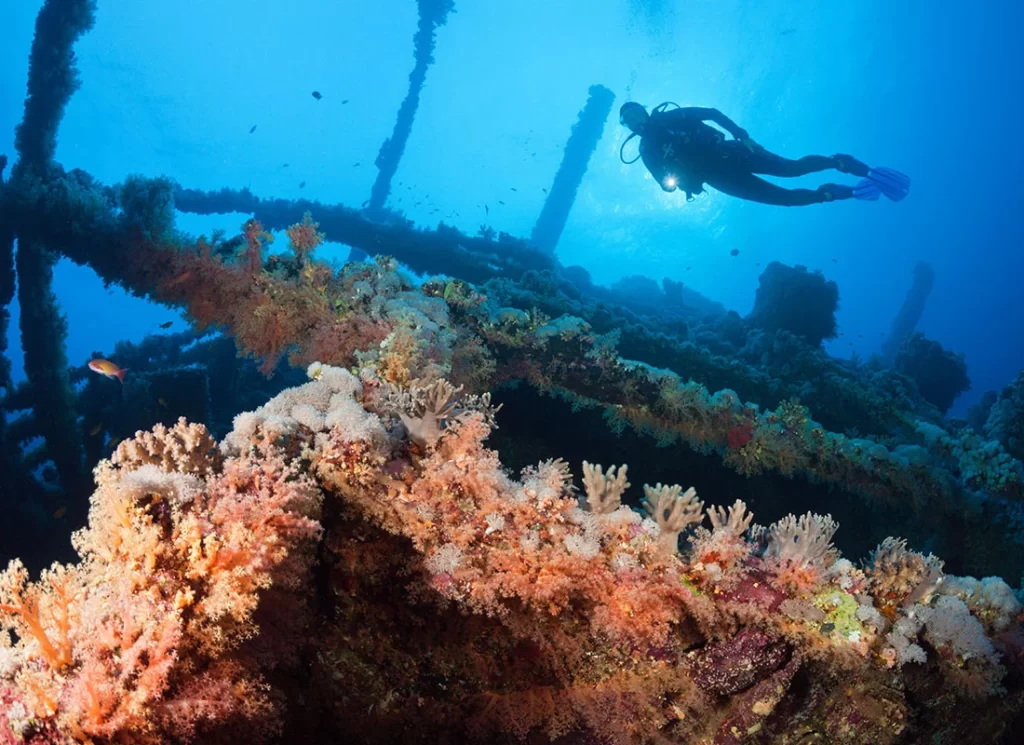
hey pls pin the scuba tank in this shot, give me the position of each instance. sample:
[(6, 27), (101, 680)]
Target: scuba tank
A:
[(686, 145), (656, 110)]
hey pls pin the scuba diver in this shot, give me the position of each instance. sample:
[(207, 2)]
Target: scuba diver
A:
[(682, 152)]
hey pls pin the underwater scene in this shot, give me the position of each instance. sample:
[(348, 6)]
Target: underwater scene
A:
[(584, 372)]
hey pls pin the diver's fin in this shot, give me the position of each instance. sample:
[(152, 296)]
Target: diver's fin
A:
[(867, 190), (892, 183)]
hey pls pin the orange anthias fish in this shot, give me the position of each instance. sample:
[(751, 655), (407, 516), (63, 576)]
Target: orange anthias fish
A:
[(108, 368)]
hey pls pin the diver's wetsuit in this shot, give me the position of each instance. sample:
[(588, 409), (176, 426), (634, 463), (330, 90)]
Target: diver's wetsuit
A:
[(681, 151)]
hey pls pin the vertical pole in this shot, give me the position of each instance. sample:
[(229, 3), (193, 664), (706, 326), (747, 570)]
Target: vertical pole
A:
[(586, 133), (904, 323), (433, 14)]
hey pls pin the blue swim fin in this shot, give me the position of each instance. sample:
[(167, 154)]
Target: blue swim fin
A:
[(889, 182), (867, 190)]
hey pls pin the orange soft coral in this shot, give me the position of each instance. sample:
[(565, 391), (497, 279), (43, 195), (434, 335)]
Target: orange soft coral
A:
[(255, 238), (122, 646), (40, 613), (304, 238)]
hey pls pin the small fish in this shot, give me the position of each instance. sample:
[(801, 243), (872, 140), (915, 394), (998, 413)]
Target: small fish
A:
[(108, 368), (166, 324), (302, 185), (487, 210), (366, 203), (500, 202), (59, 513), (162, 402), (835, 261), (355, 165), (96, 430), (284, 166), (544, 190), (253, 129), (533, 155), (734, 252), (688, 268), (114, 443), (183, 277), (316, 95), (513, 188), (344, 102)]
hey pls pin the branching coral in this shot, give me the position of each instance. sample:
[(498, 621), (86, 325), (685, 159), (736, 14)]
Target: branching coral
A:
[(673, 510), (604, 489)]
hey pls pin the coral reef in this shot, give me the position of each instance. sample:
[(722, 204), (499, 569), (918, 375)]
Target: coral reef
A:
[(795, 300), (1005, 420), (459, 604), (348, 561), (940, 375), (370, 314)]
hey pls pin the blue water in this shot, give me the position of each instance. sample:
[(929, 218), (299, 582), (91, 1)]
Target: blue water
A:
[(930, 87)]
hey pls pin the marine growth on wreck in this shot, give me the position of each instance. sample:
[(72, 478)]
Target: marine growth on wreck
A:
[(453, 491)]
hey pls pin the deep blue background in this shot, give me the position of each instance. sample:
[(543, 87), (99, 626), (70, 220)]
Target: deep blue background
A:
[(931, 87)]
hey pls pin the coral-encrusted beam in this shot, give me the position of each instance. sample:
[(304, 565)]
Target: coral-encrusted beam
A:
[(442, 251)]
